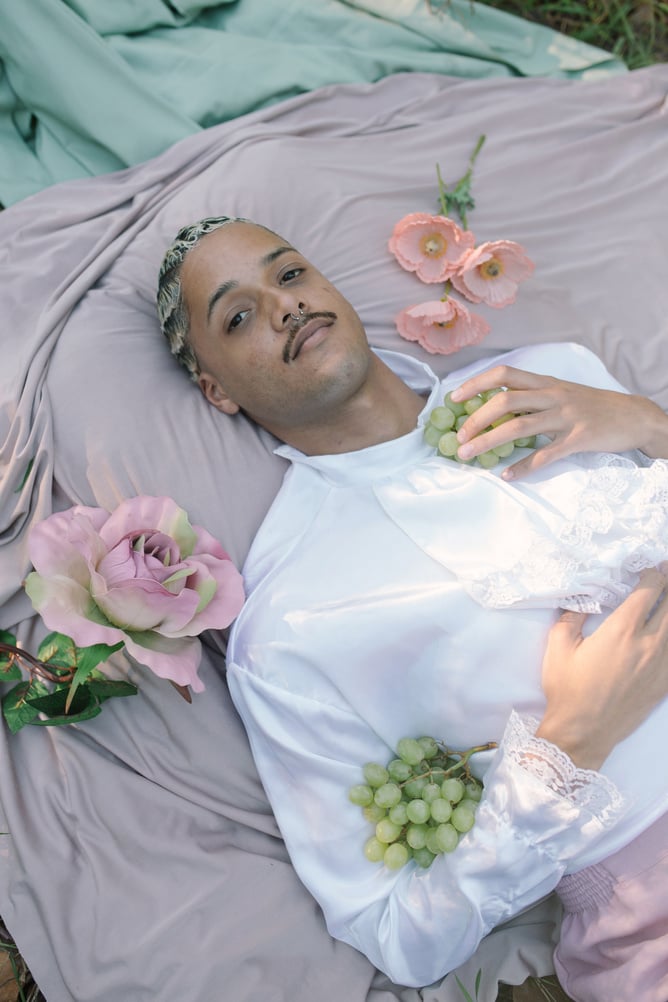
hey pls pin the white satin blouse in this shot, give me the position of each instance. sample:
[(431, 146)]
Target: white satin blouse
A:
[(391, 593)]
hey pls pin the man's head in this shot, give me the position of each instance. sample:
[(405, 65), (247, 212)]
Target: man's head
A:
[(258, 327), (172, 312)]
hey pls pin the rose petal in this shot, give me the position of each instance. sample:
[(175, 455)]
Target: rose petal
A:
[(68, 543), (68, 608), (177, 660), (145, 514), (227, 601), (143, 604)]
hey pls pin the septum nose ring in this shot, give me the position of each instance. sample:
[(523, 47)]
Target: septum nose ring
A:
[(299, 315)]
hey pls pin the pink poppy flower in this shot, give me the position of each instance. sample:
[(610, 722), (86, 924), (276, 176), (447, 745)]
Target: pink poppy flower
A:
[(491, 273), (441, 327), (431, 246)]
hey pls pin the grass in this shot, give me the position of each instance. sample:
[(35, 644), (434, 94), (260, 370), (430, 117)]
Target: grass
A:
[(636, 32)]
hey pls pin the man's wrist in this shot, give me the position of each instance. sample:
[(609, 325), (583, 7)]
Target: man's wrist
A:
[(582, 747), (654, 431)]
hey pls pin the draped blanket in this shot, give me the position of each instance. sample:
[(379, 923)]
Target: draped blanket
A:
[(88, 86), (141, 860)]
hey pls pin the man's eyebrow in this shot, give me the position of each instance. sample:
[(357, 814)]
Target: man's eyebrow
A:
[(221, 291), (278, 252), (226, 287)]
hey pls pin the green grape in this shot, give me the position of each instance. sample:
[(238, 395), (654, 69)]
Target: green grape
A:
[(457, 408), (473, 404), (418, 806), (399, 771), (374, 850), (410, 751), (429, 747), (487, 459), (504, 450), (424, 858), (418, 811), (473, 790), (432, 842), (441, 810), (413, 789), (445, 442), (442, 418), (396, 856), (398, 814), (373, 813), (452, 789), (387, 831), (463, 817), (387, 795), (432, 435), (446, 837), (432, 791), (448, 443), (375, 775), (416, 836), (361, 795)]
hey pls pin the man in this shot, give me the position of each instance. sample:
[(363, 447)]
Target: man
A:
[(357, 631)]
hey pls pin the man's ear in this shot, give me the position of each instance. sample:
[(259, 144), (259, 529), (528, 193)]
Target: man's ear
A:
[(215, 394)]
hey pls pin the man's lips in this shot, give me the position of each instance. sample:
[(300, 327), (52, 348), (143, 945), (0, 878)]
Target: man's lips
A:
[(300, 332)]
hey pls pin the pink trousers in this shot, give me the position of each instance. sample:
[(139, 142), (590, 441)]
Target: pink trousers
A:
[(614, 939)]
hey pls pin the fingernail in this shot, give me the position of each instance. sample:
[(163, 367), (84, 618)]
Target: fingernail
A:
[(508, 474), (456, 394), (465, 451)]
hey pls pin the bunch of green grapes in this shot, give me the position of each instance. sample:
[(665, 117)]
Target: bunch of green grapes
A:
[(421, 803), (446, 420)]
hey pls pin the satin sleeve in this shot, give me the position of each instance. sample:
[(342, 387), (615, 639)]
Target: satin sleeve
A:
[(537, 813)]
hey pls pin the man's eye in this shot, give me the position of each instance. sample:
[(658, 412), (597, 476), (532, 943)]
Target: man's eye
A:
[(291, 274), (236, 320)]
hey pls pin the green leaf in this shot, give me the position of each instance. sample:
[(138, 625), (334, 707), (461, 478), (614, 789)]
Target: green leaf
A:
[(105, 688), (84, 706), (477, 981), (16, 707), (10, 671), (58, 650), (55, 703), (89, 658)]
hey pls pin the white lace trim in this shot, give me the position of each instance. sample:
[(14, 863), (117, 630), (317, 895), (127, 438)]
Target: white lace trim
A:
[(592, 560), (588, 791)]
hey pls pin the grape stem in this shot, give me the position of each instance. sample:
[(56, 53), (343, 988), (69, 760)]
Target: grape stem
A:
[(462, 763)]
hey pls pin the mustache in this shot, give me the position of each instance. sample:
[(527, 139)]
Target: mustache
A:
[(297, 325)]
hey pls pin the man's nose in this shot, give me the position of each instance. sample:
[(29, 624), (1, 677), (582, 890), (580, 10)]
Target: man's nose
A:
[(295, 312)]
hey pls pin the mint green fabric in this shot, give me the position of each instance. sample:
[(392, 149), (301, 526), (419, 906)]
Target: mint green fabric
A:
[(91, 86)]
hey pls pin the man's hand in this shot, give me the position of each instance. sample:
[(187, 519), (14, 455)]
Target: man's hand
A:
[(600, 688), (574, 417)]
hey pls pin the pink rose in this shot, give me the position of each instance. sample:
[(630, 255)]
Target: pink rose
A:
[(491, 273), (431, 246), (142, 575), (441, 327)]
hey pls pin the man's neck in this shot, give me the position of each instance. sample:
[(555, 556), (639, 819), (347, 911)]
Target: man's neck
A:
[(384, 409)]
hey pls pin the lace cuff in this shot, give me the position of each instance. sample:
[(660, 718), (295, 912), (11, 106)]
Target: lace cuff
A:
[(588, 791)]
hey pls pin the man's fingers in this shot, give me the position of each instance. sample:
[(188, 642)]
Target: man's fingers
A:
[(500, 375), (566, 633)]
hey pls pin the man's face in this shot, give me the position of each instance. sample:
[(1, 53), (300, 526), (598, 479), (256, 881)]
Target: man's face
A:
[(243, 287)]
